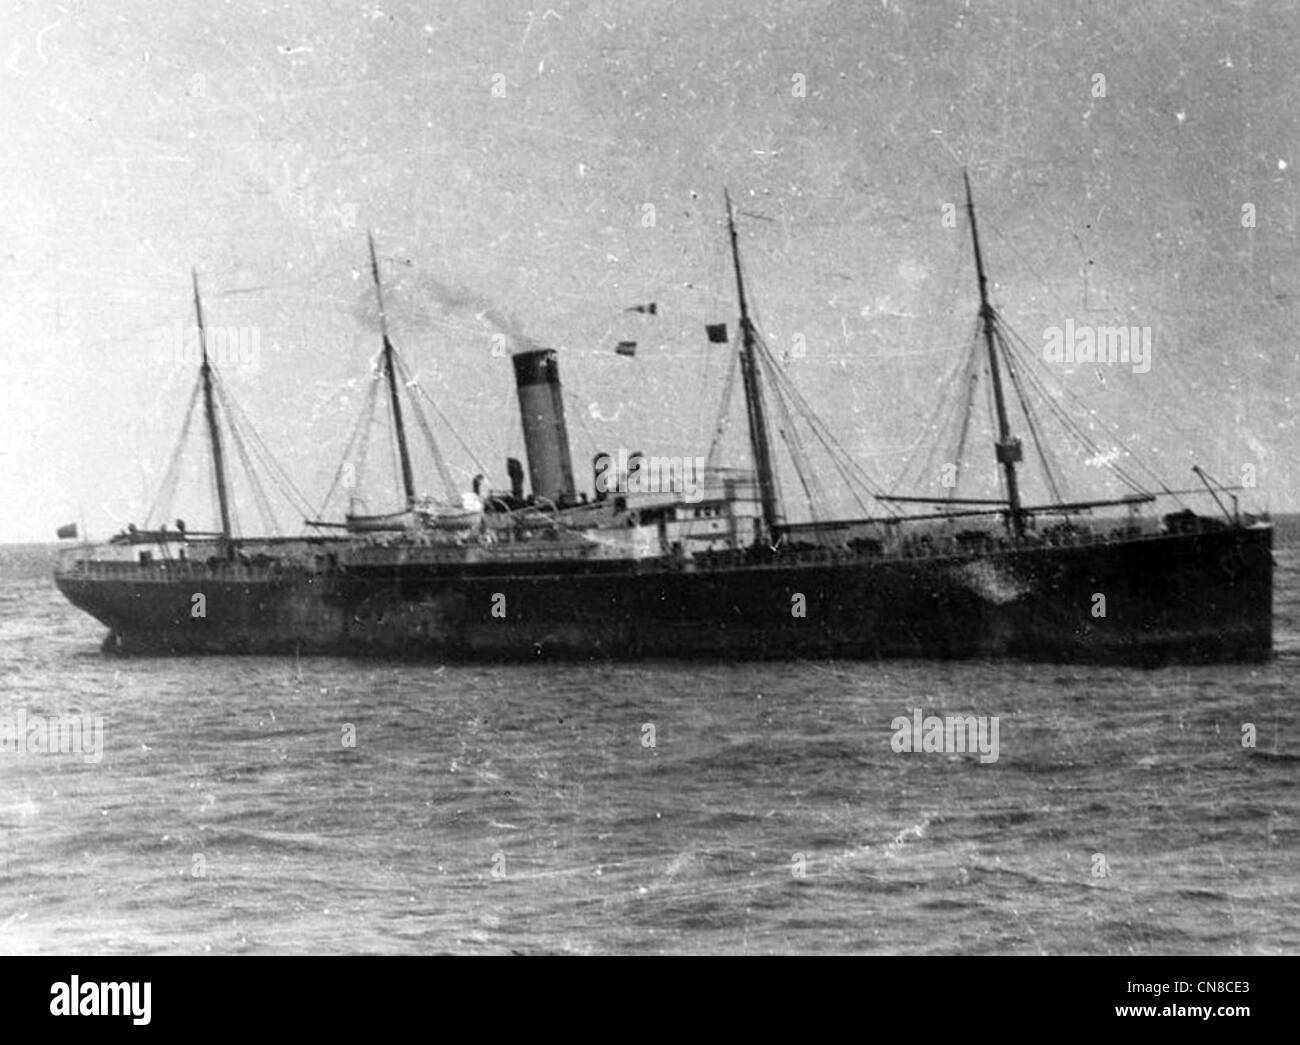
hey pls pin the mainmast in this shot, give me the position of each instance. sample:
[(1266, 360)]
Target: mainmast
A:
[(753, 395), (210, 408), (1007, 446), (408, 482)]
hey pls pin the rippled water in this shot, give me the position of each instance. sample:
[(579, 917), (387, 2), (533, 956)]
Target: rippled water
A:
[(521, 808)]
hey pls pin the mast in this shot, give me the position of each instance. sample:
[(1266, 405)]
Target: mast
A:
[(1007, 447), (408, 482), (210, 408), (753, 394)]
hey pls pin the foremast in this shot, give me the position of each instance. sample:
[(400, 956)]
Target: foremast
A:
[(758, 437), (1007, 447), (390, 370), (214, 430)]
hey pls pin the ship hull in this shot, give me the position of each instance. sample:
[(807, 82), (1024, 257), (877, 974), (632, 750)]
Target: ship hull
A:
[(244, 611), (1173, 598)]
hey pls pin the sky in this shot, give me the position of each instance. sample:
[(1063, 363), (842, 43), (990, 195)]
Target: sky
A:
[(529, 172)]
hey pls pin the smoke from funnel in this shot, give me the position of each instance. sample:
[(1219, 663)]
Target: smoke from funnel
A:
[(425, 302)]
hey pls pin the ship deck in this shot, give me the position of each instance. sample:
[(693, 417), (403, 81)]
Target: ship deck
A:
[(536, 560)]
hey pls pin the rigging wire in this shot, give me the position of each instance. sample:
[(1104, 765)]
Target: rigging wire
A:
[(167, 488), (932, 426), (237, 419), (1188, 392), (452, 429), (1027, 412), (259, 494), (363, 421), (573, 401), (1079, 433), (843, 461), (813, 495), (723, 420), (1003, 492), (394, 450), (971, 378), (948, 388), (407, 383), (786, 386)]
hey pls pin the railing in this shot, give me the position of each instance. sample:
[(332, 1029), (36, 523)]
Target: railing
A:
[(909, 549), (172, 571)]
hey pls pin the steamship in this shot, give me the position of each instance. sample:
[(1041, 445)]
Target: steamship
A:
[(546, 571)]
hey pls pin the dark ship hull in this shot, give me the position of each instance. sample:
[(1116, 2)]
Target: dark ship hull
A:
[(1185, 597)]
